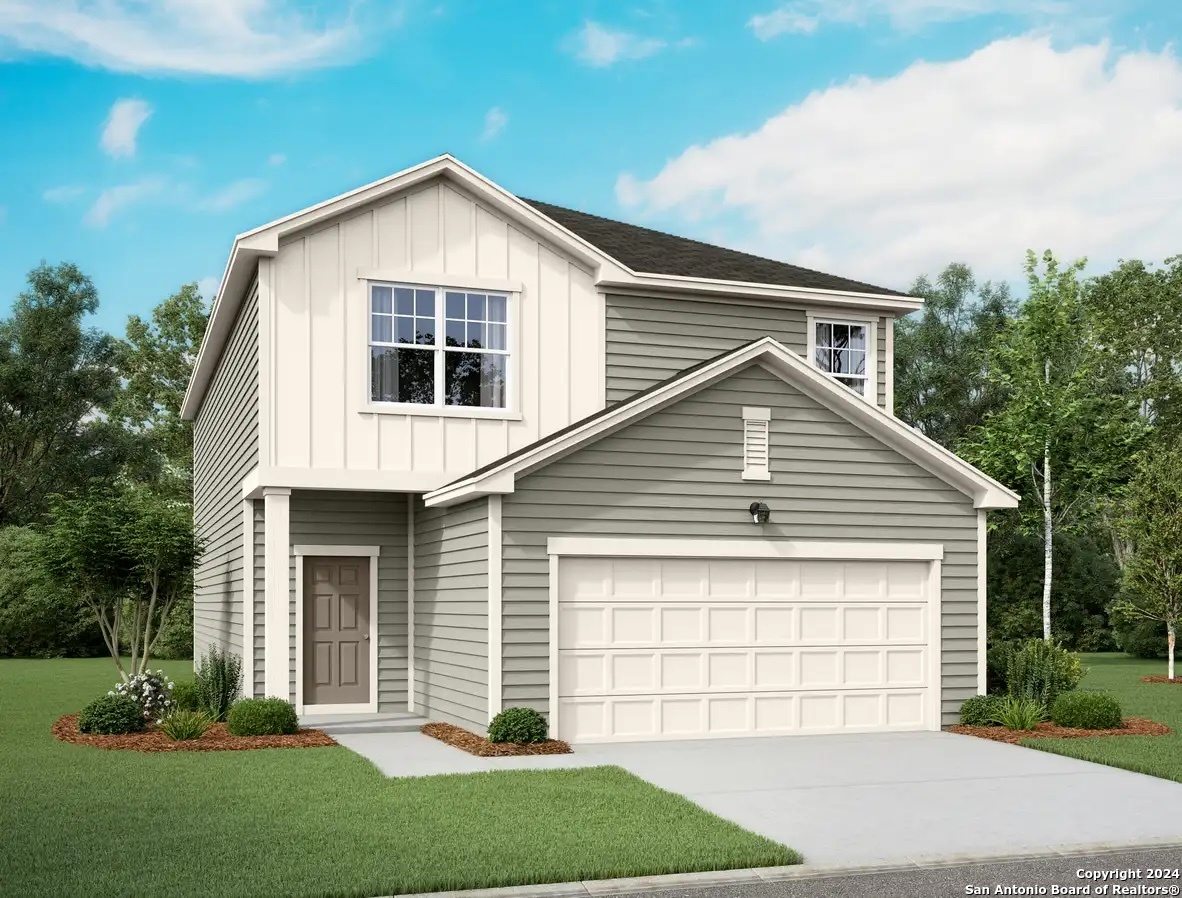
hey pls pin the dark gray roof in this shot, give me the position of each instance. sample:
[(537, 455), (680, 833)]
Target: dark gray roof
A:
[(655, 252)]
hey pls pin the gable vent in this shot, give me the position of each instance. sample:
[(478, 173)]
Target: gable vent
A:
[(756, 444)]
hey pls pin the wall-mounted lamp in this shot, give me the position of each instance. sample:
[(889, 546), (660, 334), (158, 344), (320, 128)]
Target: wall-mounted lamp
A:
[(759, 512)]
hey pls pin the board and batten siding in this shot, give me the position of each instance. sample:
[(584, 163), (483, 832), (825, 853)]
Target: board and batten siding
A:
[(451, 613), (650, 338), (225, 449), (676, 473), (340, 518), (320, 331)]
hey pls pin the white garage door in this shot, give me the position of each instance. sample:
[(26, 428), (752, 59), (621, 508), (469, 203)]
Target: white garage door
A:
[(679, 648)]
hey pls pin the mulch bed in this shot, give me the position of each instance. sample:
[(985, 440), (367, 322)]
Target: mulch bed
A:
[(215, 739), (1134, 726), (1176, 680), (481, 747)]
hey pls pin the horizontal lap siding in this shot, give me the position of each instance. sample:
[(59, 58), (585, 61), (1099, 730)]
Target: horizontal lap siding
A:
[(225, 449), (260, 598), (881, 357), (451, 613), (676, 473), (331, 518)]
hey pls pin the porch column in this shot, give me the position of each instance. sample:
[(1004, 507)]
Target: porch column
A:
[(277, 591)]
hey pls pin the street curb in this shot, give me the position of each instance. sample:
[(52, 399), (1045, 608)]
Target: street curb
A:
[(603, 887)]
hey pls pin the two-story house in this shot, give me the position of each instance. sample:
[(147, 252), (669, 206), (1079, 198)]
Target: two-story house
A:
[(456, 450)]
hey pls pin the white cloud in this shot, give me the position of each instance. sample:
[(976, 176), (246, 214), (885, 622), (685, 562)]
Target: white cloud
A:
[(1017, 146), (233, 194), (122, 127), (805, 16), (244, 38), (494, 123), (65, 193), (114, 199), (600, 47), (208, 287), (276, 159)]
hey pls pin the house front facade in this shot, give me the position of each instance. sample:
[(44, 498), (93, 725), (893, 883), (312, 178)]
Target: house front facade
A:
[(456, 451)]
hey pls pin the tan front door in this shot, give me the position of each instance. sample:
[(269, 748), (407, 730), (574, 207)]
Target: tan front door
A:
[(336, 631)]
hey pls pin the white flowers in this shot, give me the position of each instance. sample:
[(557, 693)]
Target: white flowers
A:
[(152, 691)]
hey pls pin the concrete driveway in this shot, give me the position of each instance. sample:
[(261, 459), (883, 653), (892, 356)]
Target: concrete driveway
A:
[(862, 799)]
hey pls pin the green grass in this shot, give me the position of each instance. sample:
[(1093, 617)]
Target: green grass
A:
[(1121, 675), (82, 821)]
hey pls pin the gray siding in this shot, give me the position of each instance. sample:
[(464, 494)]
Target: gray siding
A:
[(225, 449), (676, 473), (886, 321), (326, 518), (260, 596), (451, 614)]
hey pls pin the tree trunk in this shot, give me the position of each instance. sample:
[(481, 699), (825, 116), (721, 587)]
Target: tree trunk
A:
[(1170, 629), (1047, 539)]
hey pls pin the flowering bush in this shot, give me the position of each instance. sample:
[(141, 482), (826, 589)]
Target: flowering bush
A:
[(151, 690)]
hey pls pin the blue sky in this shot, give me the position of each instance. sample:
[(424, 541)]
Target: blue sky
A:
[(873, 138)]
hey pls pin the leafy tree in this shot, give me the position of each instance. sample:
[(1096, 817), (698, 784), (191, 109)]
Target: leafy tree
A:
[(1153, 523), (57, 379), (1060, 429), (942, 353)]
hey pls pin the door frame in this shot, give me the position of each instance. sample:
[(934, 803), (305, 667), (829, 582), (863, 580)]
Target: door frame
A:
[(736, 549), (372, 553)]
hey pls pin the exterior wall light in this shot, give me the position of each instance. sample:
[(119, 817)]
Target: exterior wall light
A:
[(759, 512)]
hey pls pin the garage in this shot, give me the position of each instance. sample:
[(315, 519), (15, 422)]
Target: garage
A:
[(696, 639)]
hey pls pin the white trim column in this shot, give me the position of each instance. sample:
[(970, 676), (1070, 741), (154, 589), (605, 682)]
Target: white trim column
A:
[(277, 591), (495, 662), (248, 598), (982, 604)]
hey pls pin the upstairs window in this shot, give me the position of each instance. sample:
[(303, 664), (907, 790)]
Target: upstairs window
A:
[(842, 351), (438, 347)]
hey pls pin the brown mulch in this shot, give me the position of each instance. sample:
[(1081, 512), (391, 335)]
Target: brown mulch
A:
[(1177, 680), (1134, 726), (215, 739), (481, 747)]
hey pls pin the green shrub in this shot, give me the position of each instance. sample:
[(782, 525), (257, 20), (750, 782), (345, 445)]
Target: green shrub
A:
[(1087, 711), (1015, 713), (517, 725), (262, 717), (1143, 639), (111, 715), (185, 696), (183, 725), (980, 710), (1040, 670), (219, 682), (996, 659)]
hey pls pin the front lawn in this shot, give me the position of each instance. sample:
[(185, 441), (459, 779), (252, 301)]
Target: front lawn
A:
[(1121, 675), (321, 821)]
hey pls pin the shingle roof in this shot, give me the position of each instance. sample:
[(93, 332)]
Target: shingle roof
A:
[(655, 252)]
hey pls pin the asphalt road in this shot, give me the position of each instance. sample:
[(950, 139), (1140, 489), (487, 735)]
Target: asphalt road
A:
[(1031, 877)]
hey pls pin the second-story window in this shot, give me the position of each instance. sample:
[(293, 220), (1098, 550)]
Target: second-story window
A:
[(435, 346), (841, 351)]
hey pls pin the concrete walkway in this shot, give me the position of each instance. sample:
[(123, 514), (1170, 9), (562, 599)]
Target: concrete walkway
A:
[(861, 799)]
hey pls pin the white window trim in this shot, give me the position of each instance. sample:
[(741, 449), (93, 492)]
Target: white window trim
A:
[(752, 419), (871, 324), (371, 552), (512, 409)]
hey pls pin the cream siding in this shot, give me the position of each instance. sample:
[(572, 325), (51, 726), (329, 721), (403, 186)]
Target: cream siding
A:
[(677, 473), (225, 449), (451, 613), (319, 338), (325, 518), (260, 596)]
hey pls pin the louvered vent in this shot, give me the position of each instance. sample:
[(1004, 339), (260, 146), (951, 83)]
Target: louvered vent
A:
[(756, 444)]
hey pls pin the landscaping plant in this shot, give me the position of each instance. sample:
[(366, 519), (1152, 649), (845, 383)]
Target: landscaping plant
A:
[(184, 725), (111, 715), (517, 725), (218, 681), (262, 717), (1087, 711), (152, 691), (980, 710), (1040, 670), (1016, 713), (185, 696)]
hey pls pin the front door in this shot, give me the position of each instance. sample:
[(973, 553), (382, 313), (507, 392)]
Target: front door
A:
[(336, 631)]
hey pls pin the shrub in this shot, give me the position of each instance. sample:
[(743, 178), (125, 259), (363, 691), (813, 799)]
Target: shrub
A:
[(151, 690), (262, 717), (1087, 711), (182, 725), (980, 710), (111, 715), (1015, 713), (1040, 670), (517, 725), (996, 660), (219, 682), (185, 696), (1143, 639)]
